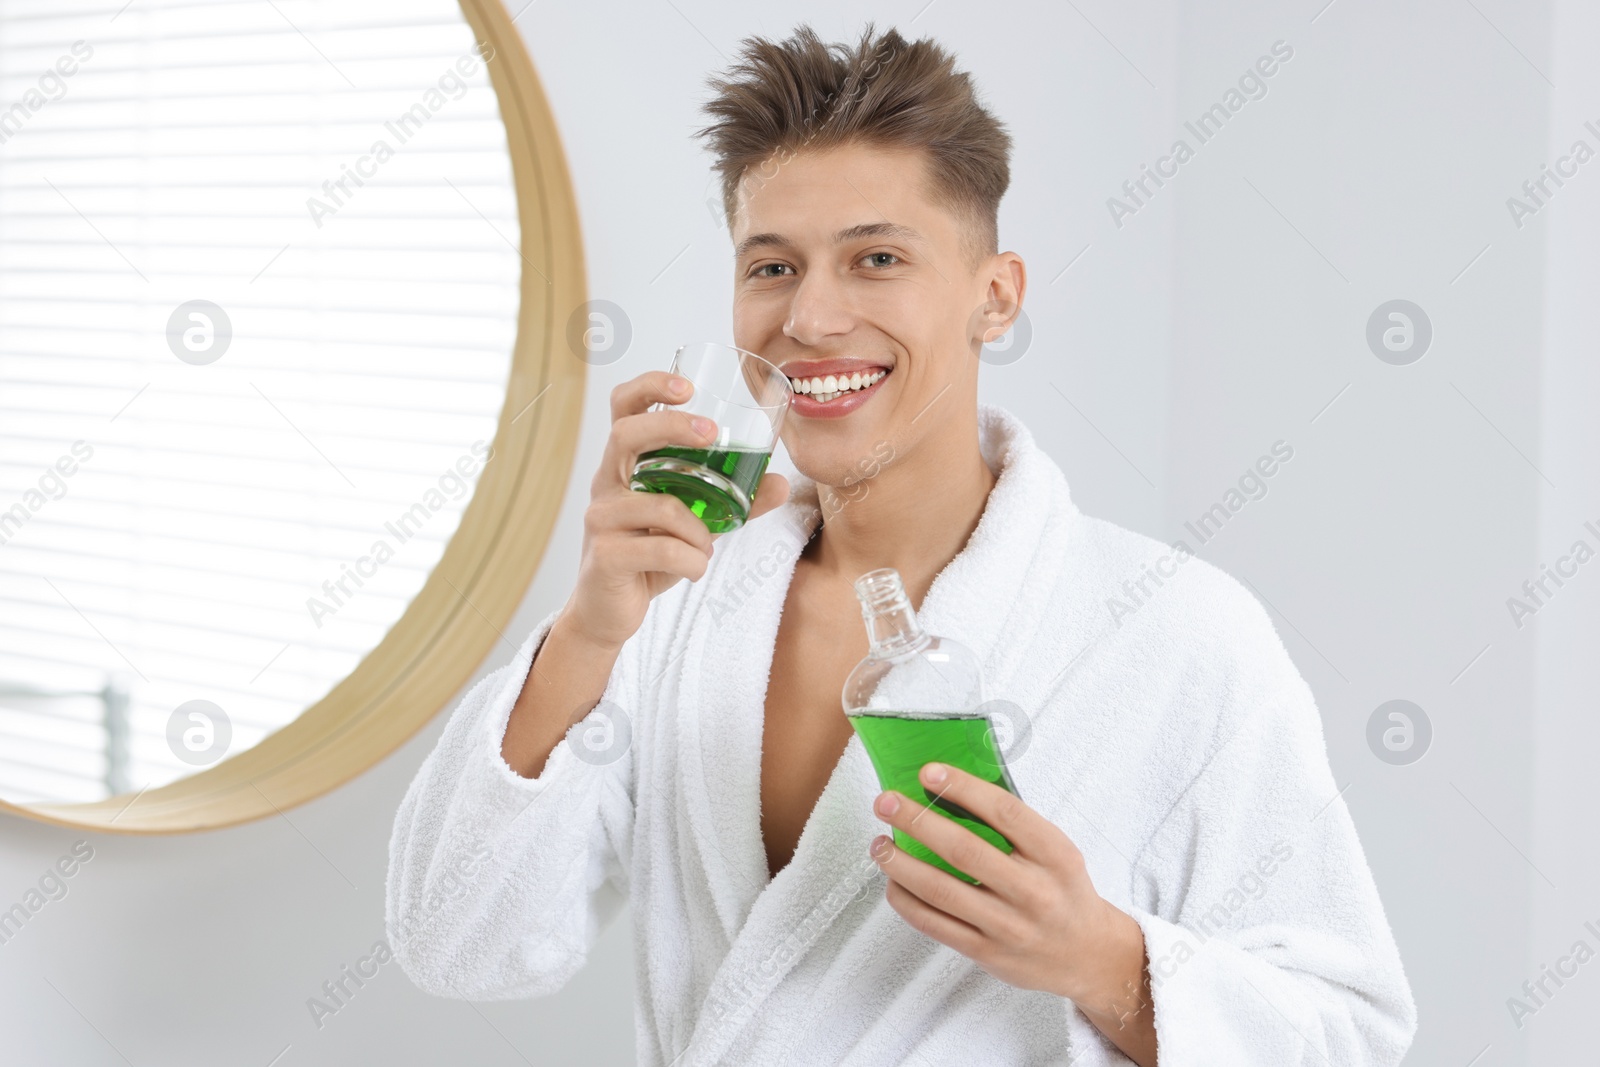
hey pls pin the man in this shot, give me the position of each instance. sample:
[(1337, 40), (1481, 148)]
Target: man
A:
[(1186, 885)]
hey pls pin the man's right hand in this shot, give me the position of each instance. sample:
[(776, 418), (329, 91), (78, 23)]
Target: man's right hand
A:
[(636, 544)]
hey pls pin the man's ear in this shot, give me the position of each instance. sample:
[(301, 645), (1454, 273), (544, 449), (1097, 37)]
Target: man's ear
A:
[(1008, 284), (1002, 303)]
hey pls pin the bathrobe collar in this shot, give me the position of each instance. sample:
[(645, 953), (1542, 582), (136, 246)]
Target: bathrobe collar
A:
[(771, 922)]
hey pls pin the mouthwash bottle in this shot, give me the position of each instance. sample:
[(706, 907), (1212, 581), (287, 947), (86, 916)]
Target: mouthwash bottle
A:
[(918, 699)]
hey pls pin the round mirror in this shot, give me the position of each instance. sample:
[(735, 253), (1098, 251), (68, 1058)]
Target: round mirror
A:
[(287, 411)]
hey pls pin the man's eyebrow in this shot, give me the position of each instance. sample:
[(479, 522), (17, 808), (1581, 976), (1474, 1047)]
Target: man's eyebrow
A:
[(849, 233)]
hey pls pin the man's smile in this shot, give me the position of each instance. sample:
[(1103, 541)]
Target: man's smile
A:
[(833, 387)]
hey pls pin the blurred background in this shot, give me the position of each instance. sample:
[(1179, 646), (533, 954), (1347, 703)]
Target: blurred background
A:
[(1366, 259)]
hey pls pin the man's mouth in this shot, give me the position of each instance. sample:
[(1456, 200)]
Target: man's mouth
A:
[(828, 387)]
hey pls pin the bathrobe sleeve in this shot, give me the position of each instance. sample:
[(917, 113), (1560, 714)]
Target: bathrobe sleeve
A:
[(499, 884), (1266, 940)]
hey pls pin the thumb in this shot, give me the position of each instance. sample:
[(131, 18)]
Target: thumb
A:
[(772, 492)]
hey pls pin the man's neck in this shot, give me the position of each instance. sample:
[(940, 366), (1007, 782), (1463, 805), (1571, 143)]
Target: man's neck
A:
[(915, 515)]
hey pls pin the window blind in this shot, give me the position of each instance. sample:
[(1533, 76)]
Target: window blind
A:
[(258, 293)]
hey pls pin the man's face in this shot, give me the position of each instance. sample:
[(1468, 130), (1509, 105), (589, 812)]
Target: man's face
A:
[(844, 267)]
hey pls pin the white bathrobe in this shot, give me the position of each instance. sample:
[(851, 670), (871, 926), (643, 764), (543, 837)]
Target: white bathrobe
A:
[(1170, 737)]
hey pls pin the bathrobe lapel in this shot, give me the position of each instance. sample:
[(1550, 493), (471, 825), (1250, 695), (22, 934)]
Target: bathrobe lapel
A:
[(772, 922)]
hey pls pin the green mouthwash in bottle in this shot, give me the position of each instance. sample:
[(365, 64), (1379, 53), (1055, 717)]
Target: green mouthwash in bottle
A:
[(918, 699)]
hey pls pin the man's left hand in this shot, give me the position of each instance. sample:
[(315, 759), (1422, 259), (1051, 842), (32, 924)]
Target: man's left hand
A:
[(1036, 921)]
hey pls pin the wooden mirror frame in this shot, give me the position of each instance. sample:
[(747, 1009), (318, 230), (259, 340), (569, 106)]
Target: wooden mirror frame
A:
[(471, 594)]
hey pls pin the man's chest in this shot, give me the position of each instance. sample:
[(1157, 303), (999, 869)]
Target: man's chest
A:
[(804, 730)]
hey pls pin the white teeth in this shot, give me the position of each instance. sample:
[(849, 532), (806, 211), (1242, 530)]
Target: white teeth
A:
[(825, 389)]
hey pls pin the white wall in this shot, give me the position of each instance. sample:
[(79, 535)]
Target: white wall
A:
[(1214, 322), (1565, 734), (1387, 546)]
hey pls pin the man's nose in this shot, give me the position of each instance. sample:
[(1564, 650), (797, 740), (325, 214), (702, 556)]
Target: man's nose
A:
[(820, 310)]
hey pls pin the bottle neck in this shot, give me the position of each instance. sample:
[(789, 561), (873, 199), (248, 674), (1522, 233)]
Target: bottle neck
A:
[(892, 626), (895, 631)]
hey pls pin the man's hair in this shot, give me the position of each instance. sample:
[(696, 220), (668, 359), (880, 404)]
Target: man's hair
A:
[(787, 96)]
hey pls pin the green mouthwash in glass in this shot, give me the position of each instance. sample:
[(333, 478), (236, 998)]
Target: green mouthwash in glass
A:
[(716, 483), (917, 699)]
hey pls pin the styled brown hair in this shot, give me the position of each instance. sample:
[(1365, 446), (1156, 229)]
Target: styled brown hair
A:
[(786, 96)]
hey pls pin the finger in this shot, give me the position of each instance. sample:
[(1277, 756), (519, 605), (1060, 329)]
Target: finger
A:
[(636, 514), (647, 553), (652, 387), (654, 429), (974, 905), (1031, 834), (633, 434), (953, 843), (772, 492), (929, 920)]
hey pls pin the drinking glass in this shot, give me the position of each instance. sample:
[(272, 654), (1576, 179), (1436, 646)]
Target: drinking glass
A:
[(745, 396)]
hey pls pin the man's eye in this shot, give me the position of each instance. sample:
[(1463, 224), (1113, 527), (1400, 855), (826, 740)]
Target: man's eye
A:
[(760, 272), (876, 255)]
